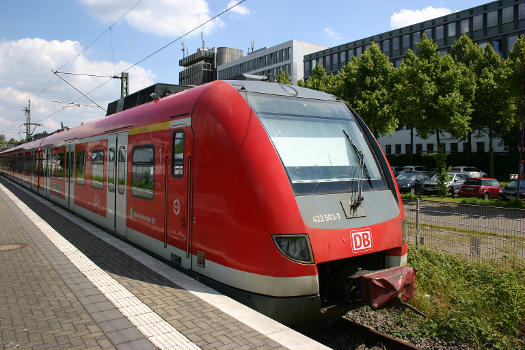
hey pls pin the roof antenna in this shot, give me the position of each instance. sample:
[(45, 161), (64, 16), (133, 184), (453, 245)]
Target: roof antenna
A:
[(202, 39), (253, 45), (182, 49)]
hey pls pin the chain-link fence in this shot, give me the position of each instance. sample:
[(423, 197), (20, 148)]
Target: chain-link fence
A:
[(473, 231)]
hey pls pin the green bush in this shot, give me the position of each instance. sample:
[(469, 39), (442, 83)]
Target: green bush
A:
[(482, 303)]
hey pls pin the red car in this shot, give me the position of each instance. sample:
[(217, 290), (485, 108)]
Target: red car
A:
[(483, 188)]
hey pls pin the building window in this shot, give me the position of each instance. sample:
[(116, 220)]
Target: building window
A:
[(511, 40), (326, 61), (406, 41), (397, 63), (430, 147), (350, 54), (398, 149), (388, 149), (439, 32), (408, 148), (492, 18), (477, 22), (80, 167), (507, 15), (358, 51), (443, 52), (395, 43), (454, 147), (464, 26), (419, 148), (452, 29), (334, 59), (465, 147), (496, 44), (521, 11), (385, 47), (97, 168), (343, 56), (480, 147), (177, 161), (142, 172), (416, 37), (428, 33)]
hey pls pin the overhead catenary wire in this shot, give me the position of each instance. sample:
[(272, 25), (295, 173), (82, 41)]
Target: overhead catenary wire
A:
[(149, 55), (90, 44)]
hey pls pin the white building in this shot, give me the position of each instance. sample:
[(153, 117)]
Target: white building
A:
[(287, 56), (399, 143)]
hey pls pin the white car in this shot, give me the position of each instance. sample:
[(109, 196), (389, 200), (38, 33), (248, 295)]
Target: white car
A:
[(468, 170)]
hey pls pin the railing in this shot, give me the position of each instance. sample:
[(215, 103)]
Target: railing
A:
[(473, 231)]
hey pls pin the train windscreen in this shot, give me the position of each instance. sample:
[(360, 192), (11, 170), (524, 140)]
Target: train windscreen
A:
[(320, 144)]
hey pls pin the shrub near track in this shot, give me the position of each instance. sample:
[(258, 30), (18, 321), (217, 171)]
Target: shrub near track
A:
[(482, 304)]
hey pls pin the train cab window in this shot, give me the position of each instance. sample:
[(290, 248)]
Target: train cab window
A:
[(111, 169), (142, 172), (320, 143), (97, 168), (80, 169), (121, 173), (178, 154)]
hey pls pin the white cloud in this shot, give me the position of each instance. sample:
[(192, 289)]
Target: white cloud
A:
[(239, 9), (160, 17), (332, 34), (25, 73), (406, 17)]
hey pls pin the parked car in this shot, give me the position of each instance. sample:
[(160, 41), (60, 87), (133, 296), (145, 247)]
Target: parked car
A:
[(407, 182), (483, 188), (509, 191), (397, 170), (414, 169), (454, 183), (469, 170)]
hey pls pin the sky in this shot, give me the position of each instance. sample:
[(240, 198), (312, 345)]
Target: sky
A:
[(143, 37)]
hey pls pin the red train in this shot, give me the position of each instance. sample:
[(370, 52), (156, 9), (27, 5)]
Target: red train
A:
[(275, 193)]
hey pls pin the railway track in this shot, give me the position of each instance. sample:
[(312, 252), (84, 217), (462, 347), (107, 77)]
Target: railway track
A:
[(347, 334)]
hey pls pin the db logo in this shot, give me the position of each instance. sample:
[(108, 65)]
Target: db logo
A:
[(361, 240)]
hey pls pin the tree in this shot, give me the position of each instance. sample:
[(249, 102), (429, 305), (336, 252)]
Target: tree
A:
[(493, 109), (470, 54), (319, 80), (437, 92), (283, 77), (365, 84)]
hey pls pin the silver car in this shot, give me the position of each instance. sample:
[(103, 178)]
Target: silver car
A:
[(454, 183), (469, 170)]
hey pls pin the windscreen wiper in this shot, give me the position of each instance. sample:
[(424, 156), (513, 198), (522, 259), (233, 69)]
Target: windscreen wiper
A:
[(362, 169)]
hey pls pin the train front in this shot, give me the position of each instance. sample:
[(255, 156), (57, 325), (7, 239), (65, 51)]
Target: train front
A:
[(354, 231)]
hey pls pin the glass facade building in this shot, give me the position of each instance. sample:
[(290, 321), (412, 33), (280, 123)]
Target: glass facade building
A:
[(499, 23)]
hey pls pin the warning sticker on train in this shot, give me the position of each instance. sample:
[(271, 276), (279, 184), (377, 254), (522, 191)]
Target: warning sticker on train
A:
[(361, 240), (176, 206)]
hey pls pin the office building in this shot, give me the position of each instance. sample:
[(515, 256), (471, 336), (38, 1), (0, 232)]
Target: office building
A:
[(287, 56), (200, 67)]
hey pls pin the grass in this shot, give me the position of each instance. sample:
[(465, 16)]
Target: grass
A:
[(481, 303), (520, 204)]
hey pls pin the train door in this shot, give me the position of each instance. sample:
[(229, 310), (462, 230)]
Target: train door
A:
[(179, 217), (120, 193), (70, 162)]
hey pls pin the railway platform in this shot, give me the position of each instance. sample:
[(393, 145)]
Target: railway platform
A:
[(67, 284)]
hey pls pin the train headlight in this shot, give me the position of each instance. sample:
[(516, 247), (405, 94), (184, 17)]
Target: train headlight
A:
[(295, 247), (404, 234)]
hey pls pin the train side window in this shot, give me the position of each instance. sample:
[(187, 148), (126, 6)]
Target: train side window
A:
[(80, 169), (53, 165), (121, 176), (60, 164), (178, 154), (142, 171), (111, 169), (97, 168)]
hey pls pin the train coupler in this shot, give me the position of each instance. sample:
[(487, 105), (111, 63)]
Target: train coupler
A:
[(384, 287)]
